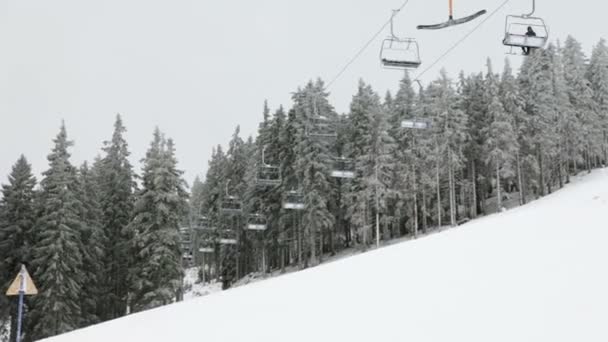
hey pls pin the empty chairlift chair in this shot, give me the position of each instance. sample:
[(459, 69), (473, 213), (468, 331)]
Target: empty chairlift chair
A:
[(268, 175), (228, 237), (294, 200), (323, 128), (516, 27), (343, 168), (399, 53), (257, 222), (231, 204)]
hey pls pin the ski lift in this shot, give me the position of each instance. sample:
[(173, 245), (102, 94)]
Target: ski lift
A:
[(415, 124), (399, 53), (202, 223), (516, 27), (294, 200), (228, 237), (451, 21), (321, 127), (231, 204), (257, 222), (268, 175), (343, 168)]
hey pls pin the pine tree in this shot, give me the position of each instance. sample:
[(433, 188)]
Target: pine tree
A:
[(93, 242), (597, 74), (311, 161), (449, 122), (116, 184), (406, 154), (371, 147), (157, 272), (58, 260), (513, 106), (536, 88), (501, 146), (17, 238), (581, 98)]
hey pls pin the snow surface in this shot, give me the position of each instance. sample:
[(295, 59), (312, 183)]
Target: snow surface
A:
[(194, 288), (535, 273)]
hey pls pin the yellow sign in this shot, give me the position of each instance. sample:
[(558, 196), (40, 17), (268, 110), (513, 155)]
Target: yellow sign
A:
[(23, 283)]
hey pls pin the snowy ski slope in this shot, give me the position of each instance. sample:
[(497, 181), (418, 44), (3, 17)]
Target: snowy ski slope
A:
[(536, 273)]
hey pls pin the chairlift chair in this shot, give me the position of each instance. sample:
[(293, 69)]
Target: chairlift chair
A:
[(257, 222), (343, 168), (417, 124), (201, 223), (268, 175), (321, 127), (228, 237), (399, 53), (231, 204), (294, 200), (516, 27), (451, 21)]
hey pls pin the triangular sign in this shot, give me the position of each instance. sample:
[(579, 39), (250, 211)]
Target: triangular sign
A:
[(23, 283)]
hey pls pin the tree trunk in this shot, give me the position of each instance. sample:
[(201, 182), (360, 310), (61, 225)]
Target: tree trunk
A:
[(424, 211), (415, 202), (498, 192), (438, 184), (520, 185), (452, 191), (474, 182)]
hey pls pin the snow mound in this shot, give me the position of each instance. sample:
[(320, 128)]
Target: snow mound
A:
[(194, 289), (535, 273)]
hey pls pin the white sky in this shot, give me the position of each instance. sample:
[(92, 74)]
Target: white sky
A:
[(198, 68)]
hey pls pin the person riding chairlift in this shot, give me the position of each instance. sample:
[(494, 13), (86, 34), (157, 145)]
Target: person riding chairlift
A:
[(529, 33)]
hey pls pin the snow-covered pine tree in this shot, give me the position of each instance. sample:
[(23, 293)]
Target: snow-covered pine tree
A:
[(513, 106), (536, 89), (449, 122), (501, 142), (93, 242), (371, 146), (17, 237), (406, 155), (58, 262), (474, 104), (581, 98), (565, 125), (116, 185), (597, 74), (311, 160), (289, 220), (157, 272)]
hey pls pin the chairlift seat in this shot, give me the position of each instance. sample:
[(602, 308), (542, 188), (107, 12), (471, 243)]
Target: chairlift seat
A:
[(521, 40), (257, 222), (400, 53), (268, 176), (294, 201), (401, 64), (231, 205), (343, 168), (322, 127)]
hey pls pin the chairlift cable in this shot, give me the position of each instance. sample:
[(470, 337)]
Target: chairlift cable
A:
[(460, 41), (360, 52)]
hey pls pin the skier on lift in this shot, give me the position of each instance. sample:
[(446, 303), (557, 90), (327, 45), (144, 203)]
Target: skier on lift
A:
[(529, 33)]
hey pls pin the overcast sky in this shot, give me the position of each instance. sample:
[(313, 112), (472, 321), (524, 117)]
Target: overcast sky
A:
[(198, 68)]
